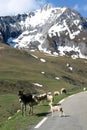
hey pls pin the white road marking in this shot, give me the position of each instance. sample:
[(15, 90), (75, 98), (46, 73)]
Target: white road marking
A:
[(41, 122), (61, 100), (65, 98), (71, 96)]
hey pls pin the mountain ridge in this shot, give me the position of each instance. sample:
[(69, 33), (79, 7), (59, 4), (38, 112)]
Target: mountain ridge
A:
[(50, 30)]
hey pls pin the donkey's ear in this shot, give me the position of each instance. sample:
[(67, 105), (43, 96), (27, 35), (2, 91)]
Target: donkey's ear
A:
[(20, 92)]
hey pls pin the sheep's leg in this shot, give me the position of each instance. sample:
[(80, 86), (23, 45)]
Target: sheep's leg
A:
[(52, 113), (61, 112)]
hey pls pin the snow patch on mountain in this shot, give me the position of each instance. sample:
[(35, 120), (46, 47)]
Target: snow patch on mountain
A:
[(37, 84), (63, 27), (34, 56), (57, 78), (42, 72), (42, 60)]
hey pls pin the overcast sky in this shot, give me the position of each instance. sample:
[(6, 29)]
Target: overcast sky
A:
[(13, 7), (19, 6)]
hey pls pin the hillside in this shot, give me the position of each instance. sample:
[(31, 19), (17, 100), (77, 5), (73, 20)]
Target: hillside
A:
[(36, 71)]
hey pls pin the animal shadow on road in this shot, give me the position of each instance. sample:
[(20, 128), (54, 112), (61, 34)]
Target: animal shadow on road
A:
[(42, 114), (66, 116), (55, 115)]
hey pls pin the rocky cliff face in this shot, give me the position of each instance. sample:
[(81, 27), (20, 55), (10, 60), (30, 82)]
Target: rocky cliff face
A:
[(10, 26), (49, 29)]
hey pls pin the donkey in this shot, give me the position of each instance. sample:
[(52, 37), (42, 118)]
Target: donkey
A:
[(27, 99)]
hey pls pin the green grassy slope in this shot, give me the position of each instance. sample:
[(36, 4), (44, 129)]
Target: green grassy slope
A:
[(20, 69)]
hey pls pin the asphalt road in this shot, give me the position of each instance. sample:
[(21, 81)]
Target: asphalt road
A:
[(75, 109)]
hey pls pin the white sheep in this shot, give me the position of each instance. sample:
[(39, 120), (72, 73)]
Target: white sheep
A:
[(50, 98), (84, 89), (63, 90), (56, 93), (49, 92), (56, 108)]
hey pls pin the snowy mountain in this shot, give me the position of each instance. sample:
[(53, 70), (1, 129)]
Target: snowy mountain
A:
[(50, 30)]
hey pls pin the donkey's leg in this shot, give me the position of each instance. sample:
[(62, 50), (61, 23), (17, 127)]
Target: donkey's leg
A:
[(22, 108), (32, 109), (29, 108)]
